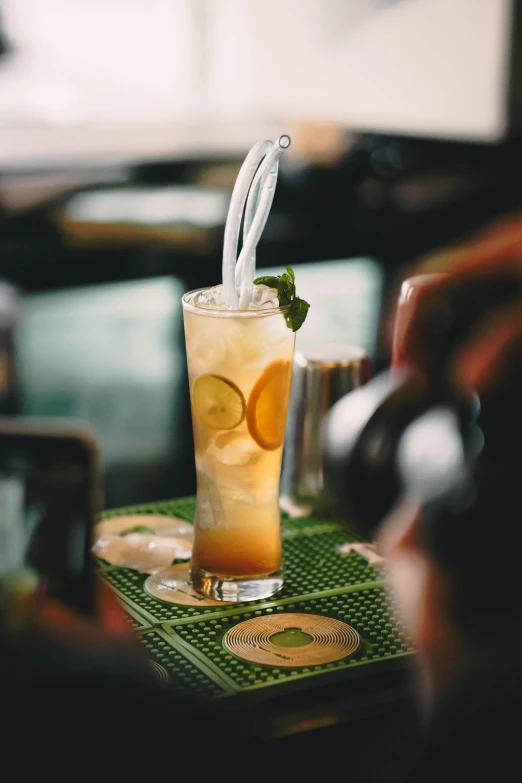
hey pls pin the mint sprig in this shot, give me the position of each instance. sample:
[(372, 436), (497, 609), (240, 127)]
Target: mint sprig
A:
[(285, 284)]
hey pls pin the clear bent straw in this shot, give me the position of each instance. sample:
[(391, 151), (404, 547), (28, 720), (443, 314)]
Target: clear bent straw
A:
[(257, 209), (233, 223), (256, 180), (245, 272)]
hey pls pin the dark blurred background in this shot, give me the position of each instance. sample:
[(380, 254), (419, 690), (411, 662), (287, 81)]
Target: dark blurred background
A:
[(123, 124)]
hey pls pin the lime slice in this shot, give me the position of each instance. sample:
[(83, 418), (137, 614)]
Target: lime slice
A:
[(267, 404), (217, 402)]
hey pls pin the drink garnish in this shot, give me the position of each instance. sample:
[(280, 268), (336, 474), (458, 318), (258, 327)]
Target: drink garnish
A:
[(218, 402), (285, 285), (266, 408)]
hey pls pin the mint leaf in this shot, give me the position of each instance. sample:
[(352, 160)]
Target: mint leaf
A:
[(297, 313), (271, 282), (285, 284), (285, 289)]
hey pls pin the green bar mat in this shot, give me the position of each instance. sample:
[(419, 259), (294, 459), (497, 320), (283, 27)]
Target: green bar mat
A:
[(184, 672), (188, 644)]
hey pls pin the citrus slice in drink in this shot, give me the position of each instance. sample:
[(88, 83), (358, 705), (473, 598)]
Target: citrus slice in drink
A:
[(266, 408), (217, 402)]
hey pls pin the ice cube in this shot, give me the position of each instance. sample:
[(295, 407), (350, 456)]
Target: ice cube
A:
[(207, 355), (263, 298), (255, 492), (269, 338), (210, 297), (210, 511), (212, 345), (234, 449)]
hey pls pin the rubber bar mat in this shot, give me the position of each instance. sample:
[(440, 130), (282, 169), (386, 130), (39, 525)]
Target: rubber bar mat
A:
[(332, 620)]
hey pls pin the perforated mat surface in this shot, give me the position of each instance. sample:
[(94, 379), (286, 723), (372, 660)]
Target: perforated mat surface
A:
[(203, 651)]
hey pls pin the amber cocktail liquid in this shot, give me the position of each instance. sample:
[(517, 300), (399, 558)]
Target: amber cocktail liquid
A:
[(240, 367)]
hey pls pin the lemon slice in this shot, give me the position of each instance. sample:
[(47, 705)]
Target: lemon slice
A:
[(217, 402), (267, 404)]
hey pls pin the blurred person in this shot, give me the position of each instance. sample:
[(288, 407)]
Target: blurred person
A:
[(457, 581), (491, 254), (80, 697)]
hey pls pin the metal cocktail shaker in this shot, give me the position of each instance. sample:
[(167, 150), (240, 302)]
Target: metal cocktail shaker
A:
[(320, 378)]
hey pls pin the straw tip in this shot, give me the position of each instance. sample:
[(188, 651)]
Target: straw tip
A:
[(284, 141)]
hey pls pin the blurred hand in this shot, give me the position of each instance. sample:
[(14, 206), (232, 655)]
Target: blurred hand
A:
[(110, 625), (494, 254)]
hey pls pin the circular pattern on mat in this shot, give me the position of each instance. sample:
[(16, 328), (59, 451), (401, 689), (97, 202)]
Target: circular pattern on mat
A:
[(159, 672), (292, 640), (173, 585)]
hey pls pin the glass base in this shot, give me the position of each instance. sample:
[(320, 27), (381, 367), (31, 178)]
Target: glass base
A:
[(236, 589)]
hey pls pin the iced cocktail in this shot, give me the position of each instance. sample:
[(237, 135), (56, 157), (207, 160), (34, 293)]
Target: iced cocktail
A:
[(239, 367)]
